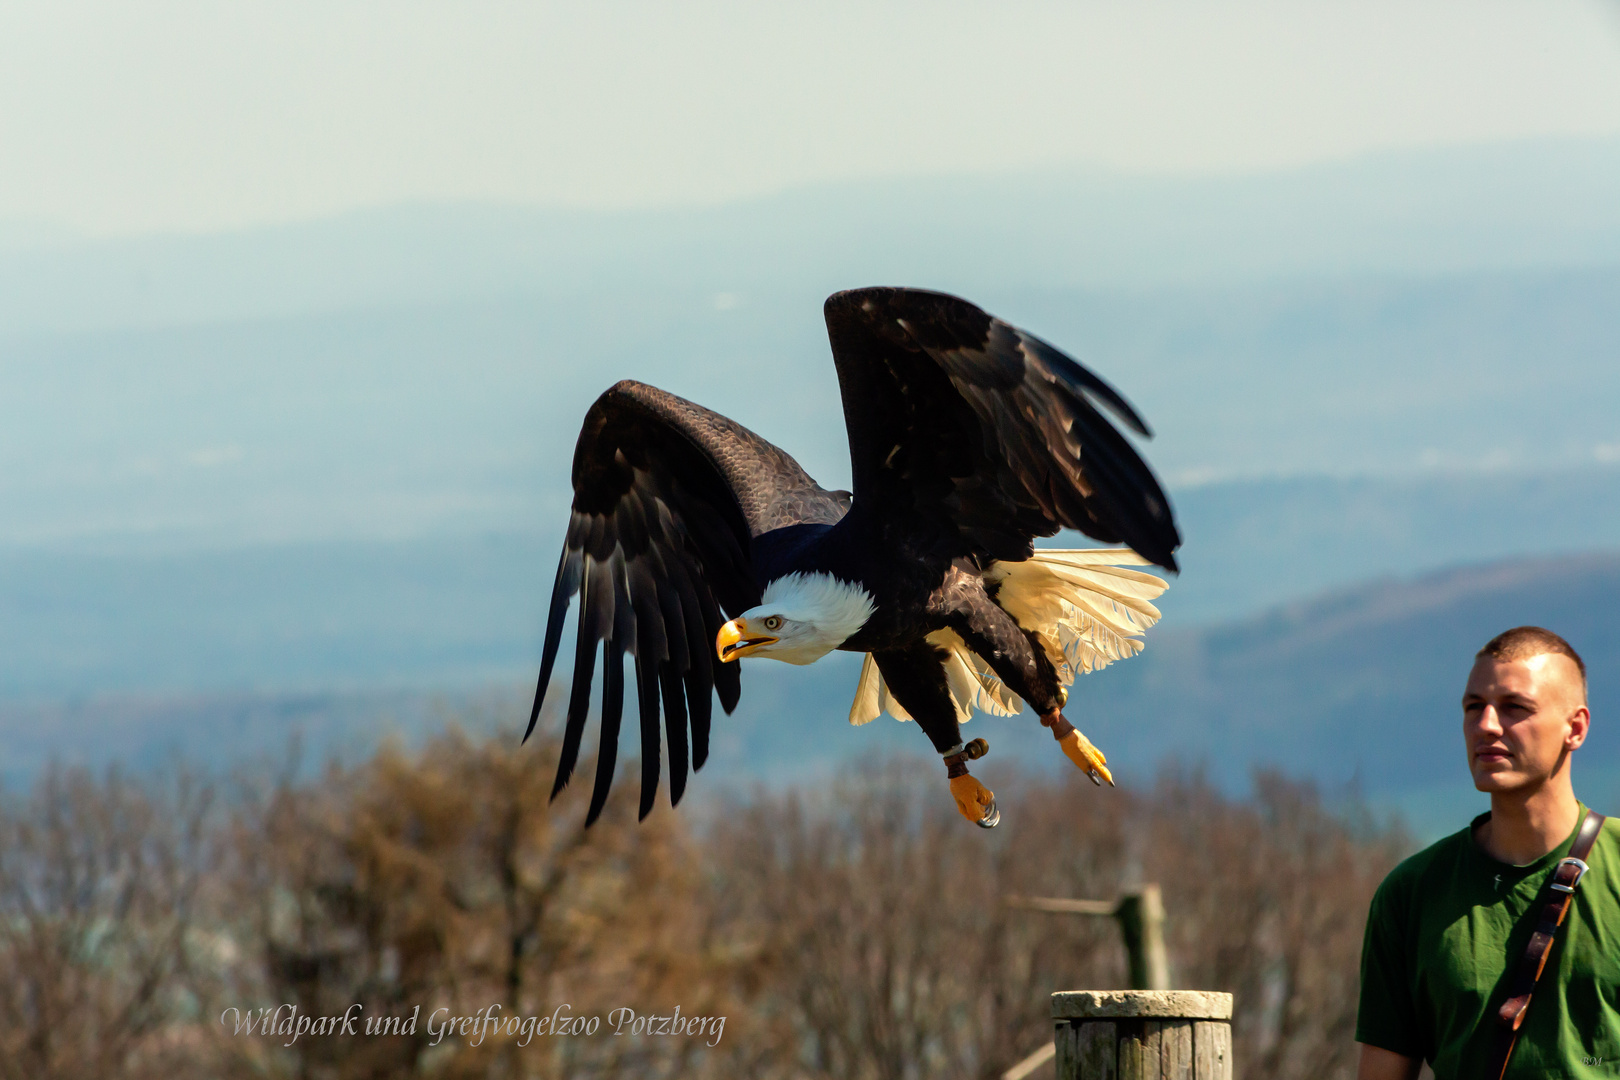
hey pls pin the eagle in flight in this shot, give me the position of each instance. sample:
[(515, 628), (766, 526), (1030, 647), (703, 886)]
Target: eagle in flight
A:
[(693, 543)]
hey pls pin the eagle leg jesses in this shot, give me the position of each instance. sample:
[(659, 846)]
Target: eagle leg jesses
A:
[(1078, 749), (916, 677)]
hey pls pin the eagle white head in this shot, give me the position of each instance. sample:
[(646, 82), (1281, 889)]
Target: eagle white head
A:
[(801, 618)]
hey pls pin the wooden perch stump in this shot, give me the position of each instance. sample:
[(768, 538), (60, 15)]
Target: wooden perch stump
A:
[(1143, 1035)]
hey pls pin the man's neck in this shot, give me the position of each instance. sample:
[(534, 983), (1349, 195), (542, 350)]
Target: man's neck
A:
[(1524, 826)]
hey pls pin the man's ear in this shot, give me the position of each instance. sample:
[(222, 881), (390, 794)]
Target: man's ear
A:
[(1579, 725)]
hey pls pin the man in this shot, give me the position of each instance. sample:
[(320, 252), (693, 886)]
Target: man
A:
[(1449, 925)]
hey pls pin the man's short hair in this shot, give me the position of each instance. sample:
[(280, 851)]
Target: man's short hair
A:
[(1523, 642)]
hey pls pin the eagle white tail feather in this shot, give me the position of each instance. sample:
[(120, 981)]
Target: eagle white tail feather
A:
[(1086, 609)]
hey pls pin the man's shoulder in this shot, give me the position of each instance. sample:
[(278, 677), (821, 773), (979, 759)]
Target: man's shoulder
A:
[(1438, 862)]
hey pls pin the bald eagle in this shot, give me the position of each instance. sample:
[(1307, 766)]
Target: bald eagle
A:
[(693, 543)]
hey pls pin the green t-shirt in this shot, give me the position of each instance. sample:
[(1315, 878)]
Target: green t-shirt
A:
[(1445, 931)]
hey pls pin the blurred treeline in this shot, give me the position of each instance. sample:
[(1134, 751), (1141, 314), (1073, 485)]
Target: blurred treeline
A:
[(856, 930)]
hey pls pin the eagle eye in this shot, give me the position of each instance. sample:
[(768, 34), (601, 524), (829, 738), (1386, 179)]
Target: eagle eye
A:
[(773, 622)]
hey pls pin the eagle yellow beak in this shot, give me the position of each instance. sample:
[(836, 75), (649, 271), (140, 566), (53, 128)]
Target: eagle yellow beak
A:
[(734, 640)]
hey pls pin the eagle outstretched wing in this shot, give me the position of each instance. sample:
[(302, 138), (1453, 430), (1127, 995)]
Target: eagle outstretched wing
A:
[(667, 498), (988, 433)]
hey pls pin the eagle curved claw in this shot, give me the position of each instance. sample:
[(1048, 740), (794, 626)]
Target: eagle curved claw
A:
[(976, 802), (1078, 749)]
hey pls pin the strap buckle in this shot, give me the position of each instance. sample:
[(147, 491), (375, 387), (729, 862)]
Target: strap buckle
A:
[(1580, 871)]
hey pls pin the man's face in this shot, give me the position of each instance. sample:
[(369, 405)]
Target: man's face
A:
[(1520, 718)]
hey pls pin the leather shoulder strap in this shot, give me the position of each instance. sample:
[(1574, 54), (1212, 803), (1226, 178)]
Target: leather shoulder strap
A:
[(1550, 909)]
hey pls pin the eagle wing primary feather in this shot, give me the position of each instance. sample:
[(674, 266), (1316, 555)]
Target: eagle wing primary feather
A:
[(667, 498), (988, 431)]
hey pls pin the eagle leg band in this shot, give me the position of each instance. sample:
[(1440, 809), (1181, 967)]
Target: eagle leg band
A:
[(957, 757), (1058, 723)]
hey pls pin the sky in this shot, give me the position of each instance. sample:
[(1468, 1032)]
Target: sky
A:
[(120, 119)]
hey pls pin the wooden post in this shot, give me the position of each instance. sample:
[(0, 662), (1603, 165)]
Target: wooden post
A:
[(1141, 920), (1143, 1035)]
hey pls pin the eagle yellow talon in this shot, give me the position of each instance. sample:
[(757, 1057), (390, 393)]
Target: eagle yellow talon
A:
[(976, 802), (1079, 750)]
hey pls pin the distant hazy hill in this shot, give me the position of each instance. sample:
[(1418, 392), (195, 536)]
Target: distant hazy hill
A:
[(1360, 685), (1364, 684), (445, 612)]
